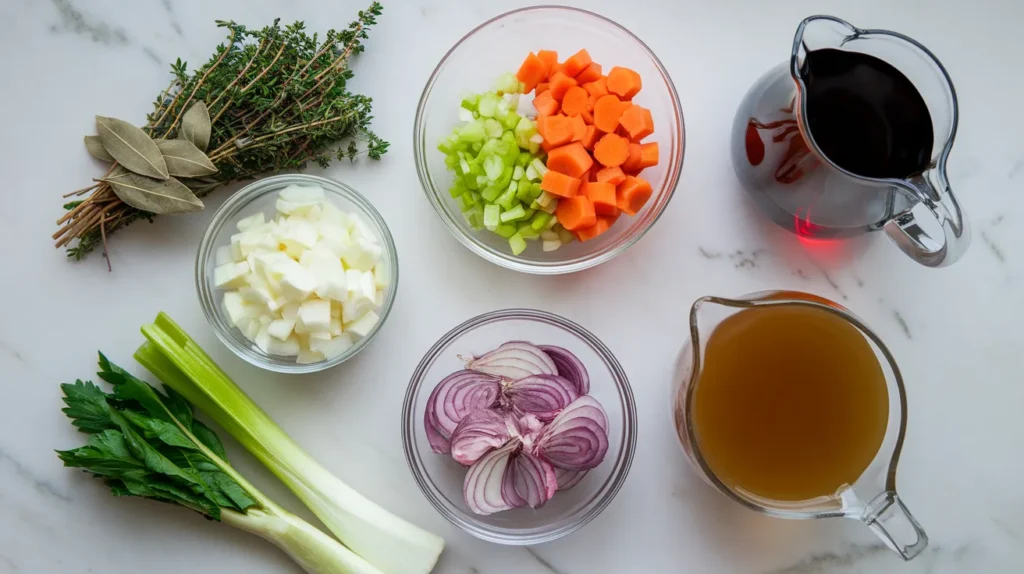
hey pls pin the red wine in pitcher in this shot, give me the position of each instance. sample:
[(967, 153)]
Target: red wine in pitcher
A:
[(865, 115)]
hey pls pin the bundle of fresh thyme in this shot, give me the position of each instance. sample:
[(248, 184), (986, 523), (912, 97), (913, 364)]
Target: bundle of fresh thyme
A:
[(276, 98)]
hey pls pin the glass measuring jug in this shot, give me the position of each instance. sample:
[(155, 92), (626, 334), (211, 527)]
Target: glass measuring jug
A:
[(868, 494), (825, 147)]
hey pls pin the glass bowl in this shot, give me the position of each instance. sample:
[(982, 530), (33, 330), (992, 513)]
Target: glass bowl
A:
[(441, 478), (261, 196), (499, 45)]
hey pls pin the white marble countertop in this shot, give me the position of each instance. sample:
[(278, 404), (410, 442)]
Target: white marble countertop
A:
[(956, 332)]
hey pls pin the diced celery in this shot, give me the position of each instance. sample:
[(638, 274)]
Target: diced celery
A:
[(506, 230), (493, 128), (470, 102), (528, 213), (445, 146), (491, 216), (517, 243), (540, 220), (565, 235), (493, 167), (523, 159), (526, 232), (534, 147), (518, 172), (488, 105), (514, 214), (551, 223), (511, 120), (539, 167), (523, 193), (472, 131), (507, 199), (545, 198), (475, 217), (507, 83), (470, 181), (457, 189), (490, 193), (505, 178)]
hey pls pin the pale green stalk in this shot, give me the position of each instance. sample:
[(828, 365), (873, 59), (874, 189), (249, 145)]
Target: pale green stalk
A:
[(381, 538)]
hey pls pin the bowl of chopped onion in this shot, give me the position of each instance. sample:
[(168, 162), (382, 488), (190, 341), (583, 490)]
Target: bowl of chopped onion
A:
[(591, 104), (519, 426), (296, 273)]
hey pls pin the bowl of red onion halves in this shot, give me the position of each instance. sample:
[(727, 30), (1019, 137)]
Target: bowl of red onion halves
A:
[(519, 426)]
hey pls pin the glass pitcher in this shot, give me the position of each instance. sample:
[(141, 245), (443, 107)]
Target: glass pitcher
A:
[(777, 159), (872, 498)]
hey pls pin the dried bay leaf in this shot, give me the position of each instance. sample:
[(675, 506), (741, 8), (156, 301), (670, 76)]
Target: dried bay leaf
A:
[(96, 149), (184, 159), (195, 126), (164, 197), (131, 147)]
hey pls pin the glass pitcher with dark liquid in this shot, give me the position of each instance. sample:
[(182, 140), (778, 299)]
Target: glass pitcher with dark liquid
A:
[(852, 135)]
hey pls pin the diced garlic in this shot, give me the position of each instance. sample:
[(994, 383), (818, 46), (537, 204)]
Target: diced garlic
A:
[(223, 255), (281, 329), (362, 326), (315, 315), (247, 222), (382, 274), (230, 275), (305, 357)]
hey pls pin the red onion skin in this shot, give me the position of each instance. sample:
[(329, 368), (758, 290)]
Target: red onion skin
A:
[(569, 366)]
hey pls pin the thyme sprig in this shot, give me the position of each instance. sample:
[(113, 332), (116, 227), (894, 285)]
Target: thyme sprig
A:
[(278, 99)]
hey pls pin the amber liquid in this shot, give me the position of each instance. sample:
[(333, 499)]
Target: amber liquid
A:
[(791, 403)]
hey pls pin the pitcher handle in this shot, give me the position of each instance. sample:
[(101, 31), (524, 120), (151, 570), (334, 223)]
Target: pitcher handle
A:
[(932, 189), (890, 520)]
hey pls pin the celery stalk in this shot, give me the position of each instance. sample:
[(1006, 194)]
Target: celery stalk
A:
[(381, 538)]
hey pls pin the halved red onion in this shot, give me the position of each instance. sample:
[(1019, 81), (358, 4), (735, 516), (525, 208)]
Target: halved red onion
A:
[(452, 399), (541, 395), (484, 482), (514, 360), (479, 432), (533, 478), (569, 478), (577, 439), (569, 366)]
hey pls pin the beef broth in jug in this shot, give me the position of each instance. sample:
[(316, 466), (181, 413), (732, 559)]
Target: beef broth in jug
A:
[(791, 404)]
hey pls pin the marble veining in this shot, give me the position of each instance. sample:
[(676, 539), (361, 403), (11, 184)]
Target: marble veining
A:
[(955, 332)]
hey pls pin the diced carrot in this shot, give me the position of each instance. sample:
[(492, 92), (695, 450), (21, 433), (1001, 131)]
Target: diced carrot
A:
[(532, 72), (541, 88), (542, 124), (590, 73), (611, 150), (648, 155), (632, 163), (577, 63), (597, 88), (559, 184), (555, 69), (557, 130), (591, 100), (584, 179), (612, 175), (547, 146), (609, 219), (637, 122), (574, 101), (624, 82), (575, 212), (579, 128), (559, 84), (572, 160), (607, 110), (550, 59), (545, 104), (632, 194), (602, 195), (590, 136), (588, 118)]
